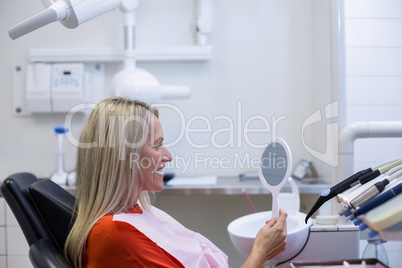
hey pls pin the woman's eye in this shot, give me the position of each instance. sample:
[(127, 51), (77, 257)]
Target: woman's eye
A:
[(158, 146)]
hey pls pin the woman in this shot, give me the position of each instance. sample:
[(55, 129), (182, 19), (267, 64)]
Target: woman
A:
[(120, 158)]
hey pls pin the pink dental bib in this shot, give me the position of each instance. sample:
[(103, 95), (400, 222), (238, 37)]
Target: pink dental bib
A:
[(190, 248)]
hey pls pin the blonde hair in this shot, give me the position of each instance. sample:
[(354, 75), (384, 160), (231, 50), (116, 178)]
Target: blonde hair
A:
[(107, 181)]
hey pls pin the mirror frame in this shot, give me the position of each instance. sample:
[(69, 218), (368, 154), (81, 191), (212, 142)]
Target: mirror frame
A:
[(289, 162)]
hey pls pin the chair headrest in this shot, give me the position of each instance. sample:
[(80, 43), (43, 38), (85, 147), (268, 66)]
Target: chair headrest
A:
[(14, 190), (55, 205)]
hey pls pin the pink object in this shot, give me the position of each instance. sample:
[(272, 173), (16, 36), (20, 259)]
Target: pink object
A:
[(249, 200), (190, 248)]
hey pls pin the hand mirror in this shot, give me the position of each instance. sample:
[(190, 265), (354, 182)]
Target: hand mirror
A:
[(276, 165)]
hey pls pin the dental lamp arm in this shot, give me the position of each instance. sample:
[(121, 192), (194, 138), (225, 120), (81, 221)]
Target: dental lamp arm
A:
[(135, 83), (47, 3), (54, 13), (204, 21), (128, 7), (70, 13)]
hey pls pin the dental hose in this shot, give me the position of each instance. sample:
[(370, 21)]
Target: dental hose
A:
[(390, 166), (377, 172)]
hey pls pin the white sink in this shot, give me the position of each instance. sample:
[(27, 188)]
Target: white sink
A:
[(243, 231)]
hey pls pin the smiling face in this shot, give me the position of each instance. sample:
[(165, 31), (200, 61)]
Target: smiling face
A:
[(153, 157)]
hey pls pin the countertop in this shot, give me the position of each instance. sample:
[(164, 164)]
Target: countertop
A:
[(233, 186)]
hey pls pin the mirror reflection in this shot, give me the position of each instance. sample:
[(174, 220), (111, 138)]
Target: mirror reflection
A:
[(274, 163)]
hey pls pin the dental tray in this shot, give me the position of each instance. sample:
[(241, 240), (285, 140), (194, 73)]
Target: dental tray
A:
[(356, 263)]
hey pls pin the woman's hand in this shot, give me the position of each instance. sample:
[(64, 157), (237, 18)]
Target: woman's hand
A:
[(270, 241)]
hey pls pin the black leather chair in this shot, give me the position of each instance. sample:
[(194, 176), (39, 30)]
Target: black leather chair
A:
[(44, 212)]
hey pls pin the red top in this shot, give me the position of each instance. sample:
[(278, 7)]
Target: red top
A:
[(119, 244)]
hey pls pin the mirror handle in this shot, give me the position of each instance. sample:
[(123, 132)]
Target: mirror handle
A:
[(275, 204), (295, 191)]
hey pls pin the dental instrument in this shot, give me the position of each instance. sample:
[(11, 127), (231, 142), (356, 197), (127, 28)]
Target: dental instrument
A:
[(345, 198), (368, 177), (367, 195), (358, 178), (336, 189), (368, 191), (353, 192), (377, 201)]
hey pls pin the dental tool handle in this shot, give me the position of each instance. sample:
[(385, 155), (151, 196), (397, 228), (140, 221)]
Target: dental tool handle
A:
[(369, 176), (375, 202), (33, 23), (337, 189), (369, 194), (349, 182)]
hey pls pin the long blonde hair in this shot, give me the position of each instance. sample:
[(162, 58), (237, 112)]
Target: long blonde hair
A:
[(107, 182)]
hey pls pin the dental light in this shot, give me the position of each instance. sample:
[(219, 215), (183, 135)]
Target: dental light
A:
[(70, 13)]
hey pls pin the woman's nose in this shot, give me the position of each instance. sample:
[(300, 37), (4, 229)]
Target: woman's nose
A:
[(167, 156)]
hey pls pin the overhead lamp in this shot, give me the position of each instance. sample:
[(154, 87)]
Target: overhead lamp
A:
[(70, 13)]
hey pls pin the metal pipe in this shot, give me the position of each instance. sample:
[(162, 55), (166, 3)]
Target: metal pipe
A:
[(362, 130)]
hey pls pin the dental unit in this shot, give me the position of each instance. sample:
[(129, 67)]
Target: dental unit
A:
[(380, 199), (367, 195), (384, 216), (346, 196), (362, 194), (376, 204), (363, 186), (360, 178), (337, 189)]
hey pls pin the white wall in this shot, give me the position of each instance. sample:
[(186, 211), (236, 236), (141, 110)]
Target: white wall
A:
[(269, 55), (374, 76), (262, 58), (374, 81)]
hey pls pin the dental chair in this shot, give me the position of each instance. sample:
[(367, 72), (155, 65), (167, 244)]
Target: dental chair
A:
[(44, 212)]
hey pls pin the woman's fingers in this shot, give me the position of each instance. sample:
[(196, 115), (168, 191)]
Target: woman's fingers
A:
[(271, 222), (282, 217), (271, 239)]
